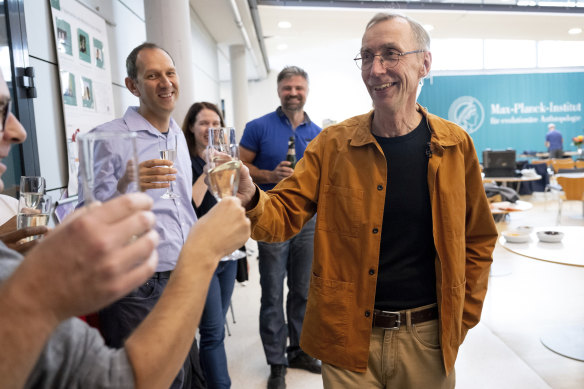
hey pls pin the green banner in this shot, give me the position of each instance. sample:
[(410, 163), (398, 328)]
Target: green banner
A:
[(509, 110)]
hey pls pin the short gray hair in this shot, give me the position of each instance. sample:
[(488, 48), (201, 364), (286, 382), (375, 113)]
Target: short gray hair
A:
[(420, 34), (290, 71)]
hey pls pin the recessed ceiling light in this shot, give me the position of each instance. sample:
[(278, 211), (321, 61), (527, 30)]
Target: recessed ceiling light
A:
[(282, 46), (575, 31), (428, 27), (284, 24)]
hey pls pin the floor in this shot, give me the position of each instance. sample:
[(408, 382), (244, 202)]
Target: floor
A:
[(526, 298)]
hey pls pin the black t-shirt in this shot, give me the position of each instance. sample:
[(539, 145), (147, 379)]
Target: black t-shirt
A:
[(209, 201), (406, 277)]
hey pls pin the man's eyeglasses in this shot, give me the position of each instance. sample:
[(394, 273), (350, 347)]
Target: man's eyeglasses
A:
[(388, 58), (5, 112)]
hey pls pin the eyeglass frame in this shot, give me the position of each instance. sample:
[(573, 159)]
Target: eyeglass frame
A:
[(358, 58), (5, 113)]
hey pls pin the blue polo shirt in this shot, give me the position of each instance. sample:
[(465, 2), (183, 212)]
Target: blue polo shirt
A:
[(268, 136)]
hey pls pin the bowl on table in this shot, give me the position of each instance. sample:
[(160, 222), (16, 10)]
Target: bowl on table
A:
[(550, 236), (516, 236)]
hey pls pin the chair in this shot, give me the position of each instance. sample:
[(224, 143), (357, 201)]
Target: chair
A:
[(538, 161), (566, 163), (579, 164), (573, 188)]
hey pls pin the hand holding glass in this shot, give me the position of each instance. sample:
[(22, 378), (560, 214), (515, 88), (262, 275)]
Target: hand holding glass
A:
[(168, 146)]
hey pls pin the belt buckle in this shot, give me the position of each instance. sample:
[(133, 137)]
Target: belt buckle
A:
[(397, 321)]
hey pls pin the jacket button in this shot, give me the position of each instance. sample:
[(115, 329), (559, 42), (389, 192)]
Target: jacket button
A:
[(375, 230), (379, 187), (371, 271), (367, 313)]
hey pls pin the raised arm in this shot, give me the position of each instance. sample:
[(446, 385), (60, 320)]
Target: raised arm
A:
[(158, 347), (80, 267)]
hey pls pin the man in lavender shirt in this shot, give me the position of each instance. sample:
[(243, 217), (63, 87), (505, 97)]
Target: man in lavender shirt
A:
[(152, 78)]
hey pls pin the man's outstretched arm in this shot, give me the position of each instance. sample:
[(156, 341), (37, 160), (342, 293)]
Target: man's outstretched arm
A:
[(158, 347), (80, 267)]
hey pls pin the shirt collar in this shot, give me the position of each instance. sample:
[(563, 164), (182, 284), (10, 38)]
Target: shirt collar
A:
[(442, 130), (282, 115), (137, 122)]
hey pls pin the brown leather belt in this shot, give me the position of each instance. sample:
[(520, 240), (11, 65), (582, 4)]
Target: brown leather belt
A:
[(393, 320)]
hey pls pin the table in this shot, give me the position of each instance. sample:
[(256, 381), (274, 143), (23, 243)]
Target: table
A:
[(546, 155), (566, 341), (504, 207), (518, 180)]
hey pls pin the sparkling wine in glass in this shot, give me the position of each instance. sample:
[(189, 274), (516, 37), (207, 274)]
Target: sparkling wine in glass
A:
[(224, 167), (167, 146), (223, 161)]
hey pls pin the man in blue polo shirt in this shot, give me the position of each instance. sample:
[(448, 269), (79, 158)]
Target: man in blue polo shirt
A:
[(263, 149)]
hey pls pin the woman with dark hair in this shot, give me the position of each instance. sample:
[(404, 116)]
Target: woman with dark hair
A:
[(200, 117)]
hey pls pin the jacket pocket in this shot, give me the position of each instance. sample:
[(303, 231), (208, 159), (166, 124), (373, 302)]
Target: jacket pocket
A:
[(328, 312), (457, 296), (340, 210)]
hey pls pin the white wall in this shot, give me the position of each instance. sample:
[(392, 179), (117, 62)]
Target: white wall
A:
[(336, 89), (205, 62), (128, 32)]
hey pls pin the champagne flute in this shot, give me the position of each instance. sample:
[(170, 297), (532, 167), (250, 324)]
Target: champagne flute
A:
[(224, 167), (168, 146), (223, 162)]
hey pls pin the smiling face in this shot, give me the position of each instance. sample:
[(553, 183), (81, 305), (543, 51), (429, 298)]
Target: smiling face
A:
[(292, 92), (156, 83), (205, 119), (395, 88), (12, 131)]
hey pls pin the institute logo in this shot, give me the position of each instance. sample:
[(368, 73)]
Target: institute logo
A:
[(467, 112)]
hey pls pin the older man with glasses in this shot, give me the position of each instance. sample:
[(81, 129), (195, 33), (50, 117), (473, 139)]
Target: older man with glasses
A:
[(404, 235)]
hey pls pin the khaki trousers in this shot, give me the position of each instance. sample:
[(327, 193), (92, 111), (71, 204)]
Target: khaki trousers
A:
[(402, 359)]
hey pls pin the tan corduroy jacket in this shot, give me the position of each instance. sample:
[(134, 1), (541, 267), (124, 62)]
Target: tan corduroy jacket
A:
[(342, 177)]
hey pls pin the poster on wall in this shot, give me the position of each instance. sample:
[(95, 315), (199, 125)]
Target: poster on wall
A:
[(502, 111), (85, 74)]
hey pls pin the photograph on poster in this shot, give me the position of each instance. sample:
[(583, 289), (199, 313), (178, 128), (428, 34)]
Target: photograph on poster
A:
[(98, 53), (68, 88), (56, 4), (64, 37), (87, 95), (84, 47)]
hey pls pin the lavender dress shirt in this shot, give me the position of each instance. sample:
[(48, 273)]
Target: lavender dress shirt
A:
[(174, 218)]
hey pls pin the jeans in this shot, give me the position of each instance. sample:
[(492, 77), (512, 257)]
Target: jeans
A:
[(212, 327), (292, 258), (117, 321)]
